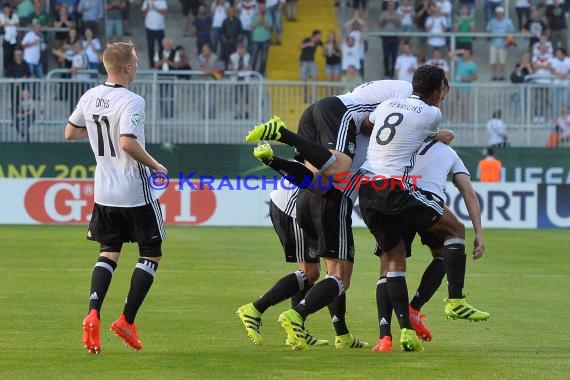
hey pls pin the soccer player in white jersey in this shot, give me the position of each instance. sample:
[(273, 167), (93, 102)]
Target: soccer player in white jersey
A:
[(327, 141), (299, 248), (126, 208), (389, 202), (435, 162)]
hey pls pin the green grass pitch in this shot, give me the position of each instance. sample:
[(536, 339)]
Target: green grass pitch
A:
[(189, 328)]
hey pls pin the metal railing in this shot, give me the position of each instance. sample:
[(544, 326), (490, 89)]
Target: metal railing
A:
[(187, 107)]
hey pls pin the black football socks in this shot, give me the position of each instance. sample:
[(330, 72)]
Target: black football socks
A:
[(384, 307), (141, 281), (431, 280), (100, 281), (455, 261)]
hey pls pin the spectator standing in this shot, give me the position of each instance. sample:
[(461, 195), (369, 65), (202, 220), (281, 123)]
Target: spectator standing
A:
[(32, 45), (466, 72), (202, 27), (261, 26), (61, 20), (219, 11), (70, 6), (407, 15), (542, 73), (92, 49), (496, 131), (44, 19), (231, 34), (556, 21), (240, 61), (535, 26), (436, 23), (9, 21), (470, 4), (17, 69), (422, 13), (498, 46), (446, 9), (92, 13), (522, 69), (247, 10), (154, 23), (464, 23), (489, 168), (356, 28), (291, 10), (490, 6), (114, 30), (79, 63), (438, 61), (350, 54), (560, 69), (26, 114), (333, 55), (25, 11), (390, 22), (188, 6), (522, 8), (307, 66), (167, 62), (64, 57), (126, 18), (275, 9), (406, 64)]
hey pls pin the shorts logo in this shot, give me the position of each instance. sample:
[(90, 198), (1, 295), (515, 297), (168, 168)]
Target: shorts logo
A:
[(136, 119), (351, 147), (312, 253)]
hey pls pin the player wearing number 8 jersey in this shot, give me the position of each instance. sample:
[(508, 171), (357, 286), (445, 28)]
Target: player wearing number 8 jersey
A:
[(331, 140), (126, 208), (390, 205)]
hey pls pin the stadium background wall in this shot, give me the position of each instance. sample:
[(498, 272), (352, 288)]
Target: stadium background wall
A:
[(73, 160)]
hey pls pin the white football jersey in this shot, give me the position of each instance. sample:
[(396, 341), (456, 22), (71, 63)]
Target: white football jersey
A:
[(362, 100), (434, 163), (109, 111), (400, 127), (286, 199)]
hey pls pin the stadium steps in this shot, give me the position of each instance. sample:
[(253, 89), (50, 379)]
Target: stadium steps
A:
[(283, 61)]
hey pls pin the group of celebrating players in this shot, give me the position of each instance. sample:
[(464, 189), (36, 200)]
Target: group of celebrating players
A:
[(384, 132)]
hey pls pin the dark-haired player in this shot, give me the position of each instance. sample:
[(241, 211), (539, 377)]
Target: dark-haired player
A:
[(435, 162), (389, 201), (331, 140)]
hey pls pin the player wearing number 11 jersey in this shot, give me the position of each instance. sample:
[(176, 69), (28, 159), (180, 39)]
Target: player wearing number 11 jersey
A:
[(126, 209)]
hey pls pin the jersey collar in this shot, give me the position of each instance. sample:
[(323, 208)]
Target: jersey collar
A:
[(115, 85)]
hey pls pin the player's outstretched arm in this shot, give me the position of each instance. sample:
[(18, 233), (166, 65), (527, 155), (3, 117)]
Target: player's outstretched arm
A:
[(463, 183), (75, 133), (134, 149)]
